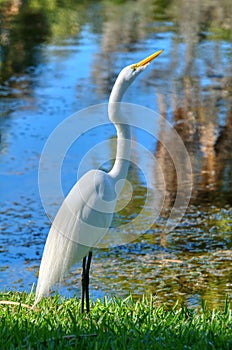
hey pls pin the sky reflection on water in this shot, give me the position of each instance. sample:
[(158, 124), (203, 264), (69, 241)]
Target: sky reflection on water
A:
[(62, 68)]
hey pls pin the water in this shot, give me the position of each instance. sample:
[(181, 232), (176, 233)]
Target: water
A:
[(59, 60)]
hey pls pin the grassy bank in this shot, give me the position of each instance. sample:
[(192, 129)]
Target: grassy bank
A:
[(112, 324)]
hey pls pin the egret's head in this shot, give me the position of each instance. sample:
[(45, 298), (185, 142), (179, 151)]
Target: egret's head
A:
[(129, 73), (124, 80)]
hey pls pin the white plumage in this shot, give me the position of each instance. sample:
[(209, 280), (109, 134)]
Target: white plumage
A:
[(86, 213)]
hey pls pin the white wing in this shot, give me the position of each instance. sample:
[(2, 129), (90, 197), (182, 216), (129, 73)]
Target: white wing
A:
[(82, 220)]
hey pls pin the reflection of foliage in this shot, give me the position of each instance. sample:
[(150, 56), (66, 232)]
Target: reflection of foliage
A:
[(196, 71), (220, 33), (203, 18), (64, 17), (27, 30), (25, 25), (123, 23)]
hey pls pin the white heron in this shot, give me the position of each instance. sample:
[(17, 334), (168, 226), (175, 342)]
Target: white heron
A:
[(86, 213)]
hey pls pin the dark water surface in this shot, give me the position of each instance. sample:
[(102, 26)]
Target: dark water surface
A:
[(58, 58)]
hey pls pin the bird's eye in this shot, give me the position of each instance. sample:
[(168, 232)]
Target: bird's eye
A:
[(133, 67)]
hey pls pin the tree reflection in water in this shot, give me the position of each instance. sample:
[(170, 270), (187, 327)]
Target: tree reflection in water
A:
[(190, 86)]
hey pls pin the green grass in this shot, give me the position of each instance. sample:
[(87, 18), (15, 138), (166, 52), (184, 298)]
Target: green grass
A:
[(112, 324)]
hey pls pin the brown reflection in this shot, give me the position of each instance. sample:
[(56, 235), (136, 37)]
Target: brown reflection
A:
[(165, 161), (11, 8), (195, 78), (223, 152), (208, 169), (125, 25), (209, 147)]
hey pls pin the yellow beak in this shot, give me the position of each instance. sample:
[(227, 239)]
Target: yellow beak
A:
[(146, 60)]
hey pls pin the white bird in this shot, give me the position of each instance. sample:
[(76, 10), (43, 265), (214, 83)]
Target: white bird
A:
[(86, 213)]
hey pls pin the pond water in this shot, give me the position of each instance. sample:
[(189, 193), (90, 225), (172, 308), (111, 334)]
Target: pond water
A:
[(59, 58)]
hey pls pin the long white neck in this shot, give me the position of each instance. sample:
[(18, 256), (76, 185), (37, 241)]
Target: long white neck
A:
[(122, 160), (120, 167)]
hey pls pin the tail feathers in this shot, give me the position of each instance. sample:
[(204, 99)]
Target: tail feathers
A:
[(60, 253)]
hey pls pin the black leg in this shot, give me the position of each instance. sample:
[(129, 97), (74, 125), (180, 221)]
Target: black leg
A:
[(85, 283)]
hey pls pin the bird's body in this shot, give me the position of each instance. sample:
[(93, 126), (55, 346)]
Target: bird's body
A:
[(84, 227), (86, 213)]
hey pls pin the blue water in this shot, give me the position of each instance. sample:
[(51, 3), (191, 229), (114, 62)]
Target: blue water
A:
[(72, 74)]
